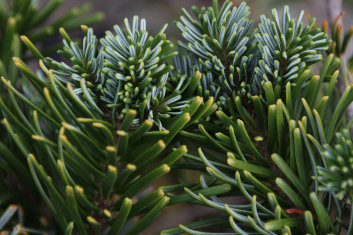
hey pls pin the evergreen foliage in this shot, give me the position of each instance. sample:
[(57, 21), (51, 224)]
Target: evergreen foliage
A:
[(222, 42), (268, 144), (88, 164), (337, 176), (124, 71), (252, 108), (25, 19)]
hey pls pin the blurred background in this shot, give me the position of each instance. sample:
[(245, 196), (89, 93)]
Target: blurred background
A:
[(159, 12)]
